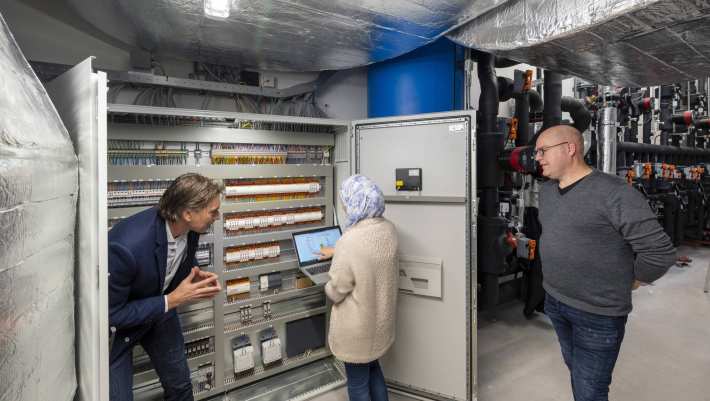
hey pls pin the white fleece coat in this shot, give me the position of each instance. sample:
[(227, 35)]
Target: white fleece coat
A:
[(363, 286)]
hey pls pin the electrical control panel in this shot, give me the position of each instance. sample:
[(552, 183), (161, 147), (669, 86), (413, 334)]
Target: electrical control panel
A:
[(278, 178)]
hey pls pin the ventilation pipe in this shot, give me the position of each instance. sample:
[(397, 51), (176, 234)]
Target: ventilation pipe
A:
[(606, 132)]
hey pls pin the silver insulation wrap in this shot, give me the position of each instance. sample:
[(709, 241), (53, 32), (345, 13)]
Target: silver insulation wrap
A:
[(620, 42), (286, 35), (38, 187)]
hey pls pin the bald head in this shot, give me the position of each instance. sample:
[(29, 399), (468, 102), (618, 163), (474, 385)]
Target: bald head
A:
[(565, 133), (559, 150)]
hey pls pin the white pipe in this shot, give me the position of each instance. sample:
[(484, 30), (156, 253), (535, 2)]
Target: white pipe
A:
[(241, 190), (244, 255), (270, 221)]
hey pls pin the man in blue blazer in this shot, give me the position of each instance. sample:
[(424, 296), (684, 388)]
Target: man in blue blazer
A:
[(152, 271)]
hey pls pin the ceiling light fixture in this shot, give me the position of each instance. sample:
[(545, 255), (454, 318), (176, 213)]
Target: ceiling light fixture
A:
[(217, 8)]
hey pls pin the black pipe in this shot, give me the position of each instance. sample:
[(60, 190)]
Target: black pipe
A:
[(580, 115), (538, 74), (526, 103), (663, 150), (666, 113), (622, 115), (522, 113), (488, 100), (700, 141), (492, 229), (703, 124), (504, 62), (647, 121), (536, 105), (490, 140), (635, 106), (670, 212), (690, 141), (684, 119), (505, 89), (552, 113)]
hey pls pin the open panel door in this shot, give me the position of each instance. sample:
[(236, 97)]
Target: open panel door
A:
[(79, 96), (434, 353)]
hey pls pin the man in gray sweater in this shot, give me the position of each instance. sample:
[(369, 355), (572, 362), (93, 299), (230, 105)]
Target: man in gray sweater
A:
[(600, 240)]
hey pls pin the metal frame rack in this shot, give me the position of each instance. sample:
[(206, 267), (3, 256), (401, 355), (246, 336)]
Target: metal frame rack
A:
[(164, 143)]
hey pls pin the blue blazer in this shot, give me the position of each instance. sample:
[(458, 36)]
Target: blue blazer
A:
[(137, 258)]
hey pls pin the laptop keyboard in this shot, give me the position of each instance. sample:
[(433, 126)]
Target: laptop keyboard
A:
[(318, 269)]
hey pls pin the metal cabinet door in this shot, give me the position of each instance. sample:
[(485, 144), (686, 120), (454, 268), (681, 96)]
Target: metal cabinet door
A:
[(80, 97), (434, 353)]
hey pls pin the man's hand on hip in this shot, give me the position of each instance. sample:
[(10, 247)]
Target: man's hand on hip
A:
[(197, 285), (638, 284)]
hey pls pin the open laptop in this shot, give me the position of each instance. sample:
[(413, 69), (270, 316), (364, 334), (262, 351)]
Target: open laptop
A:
[(308, 244)]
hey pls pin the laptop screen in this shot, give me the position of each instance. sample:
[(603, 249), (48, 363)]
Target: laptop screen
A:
[(308, 243)]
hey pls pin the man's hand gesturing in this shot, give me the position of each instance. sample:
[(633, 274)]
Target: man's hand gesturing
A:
[(197, 285)]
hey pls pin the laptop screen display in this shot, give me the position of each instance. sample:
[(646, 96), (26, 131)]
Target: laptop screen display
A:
[(308, 243)]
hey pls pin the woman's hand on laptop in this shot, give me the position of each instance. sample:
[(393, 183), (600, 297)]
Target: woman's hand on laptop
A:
[(325, 253)]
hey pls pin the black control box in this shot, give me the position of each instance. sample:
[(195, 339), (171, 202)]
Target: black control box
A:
[(408, 179)]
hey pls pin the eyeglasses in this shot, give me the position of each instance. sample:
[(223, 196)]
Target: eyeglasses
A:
[(541, 151)]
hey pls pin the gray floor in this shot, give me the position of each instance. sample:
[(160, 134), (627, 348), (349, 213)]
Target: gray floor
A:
[(665, 355)]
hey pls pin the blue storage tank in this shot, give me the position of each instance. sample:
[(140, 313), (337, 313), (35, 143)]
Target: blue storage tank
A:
[(426, 80)]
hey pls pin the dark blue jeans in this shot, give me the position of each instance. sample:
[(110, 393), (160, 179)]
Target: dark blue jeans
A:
[(163, 341), (590, 346), (366, 382)]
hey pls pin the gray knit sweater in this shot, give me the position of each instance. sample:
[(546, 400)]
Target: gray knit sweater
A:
[(596, 239)]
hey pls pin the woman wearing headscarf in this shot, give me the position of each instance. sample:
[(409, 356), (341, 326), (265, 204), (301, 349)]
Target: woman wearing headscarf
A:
[(363, 287)]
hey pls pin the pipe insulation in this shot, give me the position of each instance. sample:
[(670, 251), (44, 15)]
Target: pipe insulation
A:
[(38, 195), (607, 141), (631, 43), (488, 99), (552, 92), (281, 35), (648, 148)]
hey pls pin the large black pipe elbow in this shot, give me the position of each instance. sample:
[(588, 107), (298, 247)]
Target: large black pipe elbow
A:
[(580, 115), (505, 89), (505, 62)]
